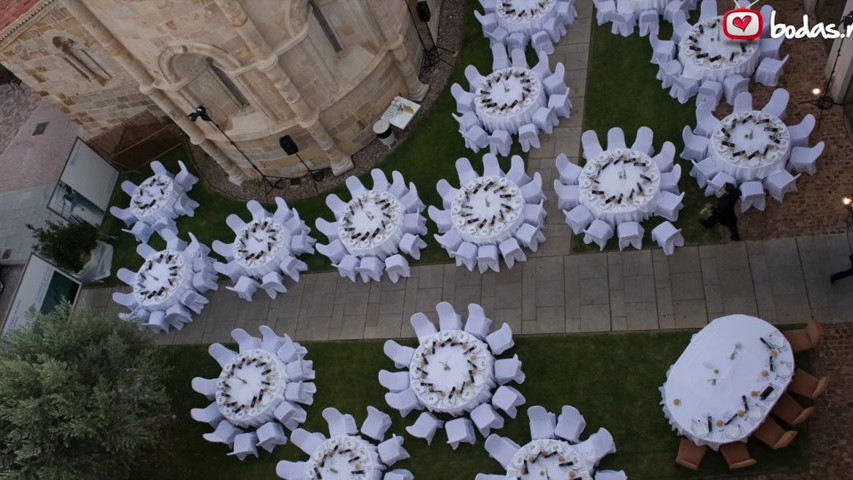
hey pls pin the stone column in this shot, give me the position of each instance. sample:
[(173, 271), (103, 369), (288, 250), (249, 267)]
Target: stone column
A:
[(146, 85), (395, 43), (269, 65)]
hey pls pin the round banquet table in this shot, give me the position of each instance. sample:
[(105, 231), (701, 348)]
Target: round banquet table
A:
[(631, 6), (162, 279), (452, 372), (729, 56), (250, 388), (620, 185), (549, 458), (335, 459), (154, 199), (508, 98), (260, 246), (762, 136), (372, 224), (487, 210), (525, 16), (729, 376)]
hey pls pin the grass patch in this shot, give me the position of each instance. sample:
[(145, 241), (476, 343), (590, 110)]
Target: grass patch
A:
[(427, 155), (622, 92), (612, 379)]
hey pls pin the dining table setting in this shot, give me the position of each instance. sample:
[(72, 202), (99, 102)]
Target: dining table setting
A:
[(526, 16), (727, 380), (620, 185), (508, 98), (487, 210), (161, 279), (549, 458), (260, 245), (452, 372), (750, 145), (706, 53), (250, 387), (371, 224), (154, 198)]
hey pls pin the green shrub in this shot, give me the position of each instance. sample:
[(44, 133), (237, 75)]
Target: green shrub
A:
[(67, 246)]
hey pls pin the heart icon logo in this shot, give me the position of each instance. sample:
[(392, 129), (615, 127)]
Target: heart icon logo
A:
[(742, 22)]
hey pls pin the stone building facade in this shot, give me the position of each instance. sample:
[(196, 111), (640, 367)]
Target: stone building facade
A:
[(321, 71)]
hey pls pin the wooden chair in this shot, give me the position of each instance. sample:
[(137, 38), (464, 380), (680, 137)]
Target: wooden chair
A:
[(773, 435), (789, 410), (689, 454), (805, 338), (737, 455), (807, 385)]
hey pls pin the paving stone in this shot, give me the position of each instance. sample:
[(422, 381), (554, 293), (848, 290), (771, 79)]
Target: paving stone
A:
[(595, 318), (786, 279), (429, 276), (792, 308), (313, 328), (551, 319), (642, 316), (511, 316), (639, 289), (392, 302), (594, 291), (388, 326), (592, 265), (508, 296), (745, 305), (736, 283), (689, 313), (687, 286), (684, 260)]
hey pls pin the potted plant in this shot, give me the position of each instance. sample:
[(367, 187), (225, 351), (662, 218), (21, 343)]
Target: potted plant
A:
[(68, 246)]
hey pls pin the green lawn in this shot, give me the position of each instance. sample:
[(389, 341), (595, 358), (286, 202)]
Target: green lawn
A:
[(612, 379), (427, 155), (622, 91)]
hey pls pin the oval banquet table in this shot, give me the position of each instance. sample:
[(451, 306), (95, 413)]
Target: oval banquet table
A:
[(727, 380)]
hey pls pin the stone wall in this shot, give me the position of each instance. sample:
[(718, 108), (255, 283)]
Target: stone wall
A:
[(86, 83), (197, 55)]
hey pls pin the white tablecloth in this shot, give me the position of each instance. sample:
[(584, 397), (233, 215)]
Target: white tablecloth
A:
[(525, 16), (708, 38), (632, 6), (452, 372), (549, 458), (487, 210), (508, 98), (154, 199), (162, 279), (625, 173), (751, 132), (261, 246), (250, 388), (372, 224), (333, 460), (726, 365)]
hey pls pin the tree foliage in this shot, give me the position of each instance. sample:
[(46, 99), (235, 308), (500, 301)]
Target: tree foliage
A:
[(81, 397), (65, 245)]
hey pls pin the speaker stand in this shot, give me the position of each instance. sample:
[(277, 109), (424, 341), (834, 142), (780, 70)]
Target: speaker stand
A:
[(267, 180)]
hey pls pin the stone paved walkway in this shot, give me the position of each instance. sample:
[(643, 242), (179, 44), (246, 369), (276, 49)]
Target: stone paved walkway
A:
[(784, 281)]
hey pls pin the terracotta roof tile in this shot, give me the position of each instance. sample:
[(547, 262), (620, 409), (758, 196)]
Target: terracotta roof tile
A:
[(11, 10)]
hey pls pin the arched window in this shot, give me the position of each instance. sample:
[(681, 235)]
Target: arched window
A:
[(227, 83), (81, 60), (328, 31)]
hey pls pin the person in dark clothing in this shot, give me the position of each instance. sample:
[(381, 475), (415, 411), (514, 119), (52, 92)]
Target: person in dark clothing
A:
[(724, 212)]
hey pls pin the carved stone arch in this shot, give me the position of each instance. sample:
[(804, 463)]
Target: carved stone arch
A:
[(297, 16), (76, 53), (222, 58), (173, 63)]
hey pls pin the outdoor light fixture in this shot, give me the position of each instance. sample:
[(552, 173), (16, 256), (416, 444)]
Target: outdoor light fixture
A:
[(825, 102), (815, 91), (847, 201), (201, 112)]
